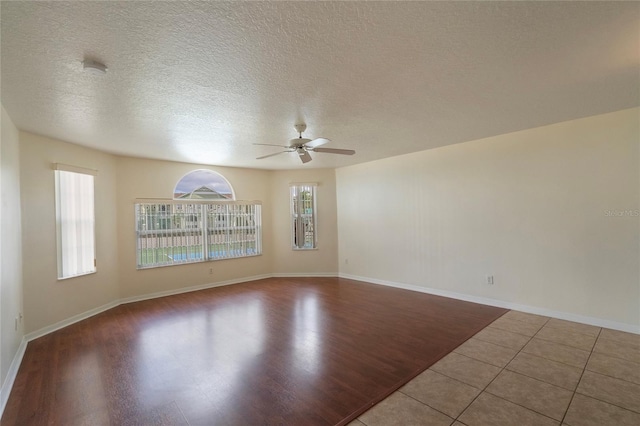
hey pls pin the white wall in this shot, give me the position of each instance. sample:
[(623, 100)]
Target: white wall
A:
[(11, 248), (140, 178), (324, 260), (527, 207), (48, 300)]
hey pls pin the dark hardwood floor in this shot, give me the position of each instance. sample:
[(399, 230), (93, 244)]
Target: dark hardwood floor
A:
[(290, 351)]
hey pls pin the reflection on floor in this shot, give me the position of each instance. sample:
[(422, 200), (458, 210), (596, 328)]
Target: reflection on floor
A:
[(278, 351), (524, 369)]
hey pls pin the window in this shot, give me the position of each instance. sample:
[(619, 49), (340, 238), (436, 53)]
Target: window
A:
[(75, 221), (203, 185), (303, 216), (175, 232)]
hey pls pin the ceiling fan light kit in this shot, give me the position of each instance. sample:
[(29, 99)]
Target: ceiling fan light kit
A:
[(302, 146)]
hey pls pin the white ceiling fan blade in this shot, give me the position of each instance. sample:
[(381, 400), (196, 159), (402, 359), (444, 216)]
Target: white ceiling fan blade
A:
[(272, 155), (316, 142), (270, 144), (304, 156), (335, 151)]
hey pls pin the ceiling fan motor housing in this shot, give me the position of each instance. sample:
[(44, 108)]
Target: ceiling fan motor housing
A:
[(296, 142)]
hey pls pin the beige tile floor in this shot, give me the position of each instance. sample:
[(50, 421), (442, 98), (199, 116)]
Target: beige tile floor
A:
[(524, 369)]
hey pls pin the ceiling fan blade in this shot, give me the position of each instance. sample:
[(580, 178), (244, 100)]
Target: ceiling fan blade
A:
[(335, 151), (316, 142), (272, 155), (304, 156), (270, 144)]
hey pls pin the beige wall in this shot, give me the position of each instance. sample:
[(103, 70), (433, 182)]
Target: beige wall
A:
[(10, 247), (527, 207), (122, 180), (140, 178), (324, 260), (48, 300)]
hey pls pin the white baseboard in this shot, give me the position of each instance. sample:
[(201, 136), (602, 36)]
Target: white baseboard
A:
[(82, 316), (72, 320), (17, 359), (598, 322), (5, 391), (192, 288), (303, 275)]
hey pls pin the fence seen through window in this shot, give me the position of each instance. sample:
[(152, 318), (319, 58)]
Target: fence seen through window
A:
[(303, 216), (171, 233)]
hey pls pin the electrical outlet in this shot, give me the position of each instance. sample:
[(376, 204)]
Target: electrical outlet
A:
[(210, 271), (346, 261), (490, 279)]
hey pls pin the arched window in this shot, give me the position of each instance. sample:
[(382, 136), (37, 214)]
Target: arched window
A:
[(203, 222), (203, 185)]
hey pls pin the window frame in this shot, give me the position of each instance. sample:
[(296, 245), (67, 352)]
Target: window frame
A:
[(203, 233), (299, 211), (60, 240)]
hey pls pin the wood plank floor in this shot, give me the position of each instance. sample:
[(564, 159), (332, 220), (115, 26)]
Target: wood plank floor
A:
[(312, 351)]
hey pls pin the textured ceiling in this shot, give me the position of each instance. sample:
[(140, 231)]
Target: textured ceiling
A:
[(201, 81)]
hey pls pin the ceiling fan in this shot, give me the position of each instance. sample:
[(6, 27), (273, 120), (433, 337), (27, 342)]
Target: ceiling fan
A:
[(302, 146)]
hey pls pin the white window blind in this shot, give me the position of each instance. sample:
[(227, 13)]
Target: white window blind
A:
[(173, 232), (303, 216), (75, 221)]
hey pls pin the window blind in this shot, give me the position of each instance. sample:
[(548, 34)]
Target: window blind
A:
[(173, 232), (303, 216), (75, 223)]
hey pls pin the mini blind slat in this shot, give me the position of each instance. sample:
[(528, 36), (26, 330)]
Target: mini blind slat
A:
[(174, 233), (75, 219), (303, 216)]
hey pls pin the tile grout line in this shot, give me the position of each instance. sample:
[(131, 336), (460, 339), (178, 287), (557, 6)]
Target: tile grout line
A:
[(547, 340), (534, 378), (453, 378), (538, 356), (604, 375), (568, 346), (515, 372), (499, 344), (554, 360), (425, 404), (540, 380), (609, 376), (619, 341), (550, 326), (580, 380), (614, 356), (602, 400), (492, 380), (574, 391), (482, 390)]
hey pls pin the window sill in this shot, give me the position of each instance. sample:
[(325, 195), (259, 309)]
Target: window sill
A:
[(77, 276)]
